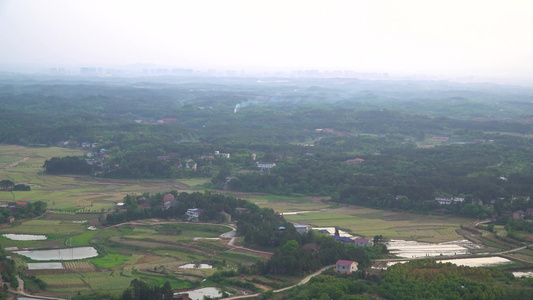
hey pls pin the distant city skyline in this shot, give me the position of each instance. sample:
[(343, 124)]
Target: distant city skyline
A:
[(438, 39)]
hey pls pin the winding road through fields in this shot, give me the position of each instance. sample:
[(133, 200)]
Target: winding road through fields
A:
[(303, 281)]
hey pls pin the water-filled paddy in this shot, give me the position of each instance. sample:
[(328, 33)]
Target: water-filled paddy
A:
[(196, 266), (523, 274), (45, 266), (468, 262), (211, 292), (24, 237), (413, 249), (60, 254), (479, 261)]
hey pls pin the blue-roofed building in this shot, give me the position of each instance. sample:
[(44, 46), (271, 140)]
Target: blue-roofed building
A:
[(343, 239)]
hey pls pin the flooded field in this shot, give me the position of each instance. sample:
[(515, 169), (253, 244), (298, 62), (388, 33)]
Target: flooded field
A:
[(479, 261), (412, 249), (196, 266), (24, 237), (60, 254), (45, 266), (468, 262), (523, 274), (211, 292), (331, 231)]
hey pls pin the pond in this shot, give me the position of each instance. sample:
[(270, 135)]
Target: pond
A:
[(479, 261), (196, 266), (24, 237), (199, 294), (523, 274), (331, 231), (60, 254), (468, 262), (413, 249), (45, 266)]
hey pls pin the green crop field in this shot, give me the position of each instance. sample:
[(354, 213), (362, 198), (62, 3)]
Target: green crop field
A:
[(47, 227), (23, 165), (82, 239), (85, 265), (133, 251), (110, 260), (368, 223), (89, 280)]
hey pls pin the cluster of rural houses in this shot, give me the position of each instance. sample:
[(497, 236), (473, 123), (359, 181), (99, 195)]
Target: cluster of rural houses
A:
[(12, 206), (361, 242), (518, 214)]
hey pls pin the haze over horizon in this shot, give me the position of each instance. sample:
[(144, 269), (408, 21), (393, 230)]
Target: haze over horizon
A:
[(482, 39)]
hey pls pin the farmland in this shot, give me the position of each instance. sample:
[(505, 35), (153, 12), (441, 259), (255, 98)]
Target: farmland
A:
[(154, 250), (368, 222)]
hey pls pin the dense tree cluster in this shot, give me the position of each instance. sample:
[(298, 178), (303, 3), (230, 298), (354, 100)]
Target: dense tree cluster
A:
[(420, 279), (9, 273), (330, 287), (67, 165), (314, 251), (8, 185), (427, 279), (140, 290), (259, 226)]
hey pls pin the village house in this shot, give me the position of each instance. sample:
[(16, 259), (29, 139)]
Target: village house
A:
[(168, 197), (10, 219), (242, 210), (362, 242), (449, 200), (518, 215), (529, 212), (170, 203), (225, 155), (355, 161), (515, 197), (193, 214), (346, 266), (226, 216), (181, 296), (265, 165), (343, 239), (301, 229), (145, 204)]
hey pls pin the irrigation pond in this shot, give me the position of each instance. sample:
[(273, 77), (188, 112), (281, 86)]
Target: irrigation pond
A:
[(59, 254)]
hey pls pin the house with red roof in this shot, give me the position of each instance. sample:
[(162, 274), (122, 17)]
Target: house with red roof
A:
[(355, 161)]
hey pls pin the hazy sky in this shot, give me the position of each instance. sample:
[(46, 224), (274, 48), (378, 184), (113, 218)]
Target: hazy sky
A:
[(467, 37)]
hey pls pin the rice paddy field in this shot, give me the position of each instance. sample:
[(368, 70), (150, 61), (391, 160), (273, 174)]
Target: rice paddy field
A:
[(361, 221), (152, 251), (23, 165), (155, 249), (367, 222), (79, 193)]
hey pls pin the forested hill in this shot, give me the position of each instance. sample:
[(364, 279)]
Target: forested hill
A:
[(288, 110), (412, 139)]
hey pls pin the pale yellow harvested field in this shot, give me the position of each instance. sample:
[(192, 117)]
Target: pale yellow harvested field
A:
[(369, 222), (23, 165)]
